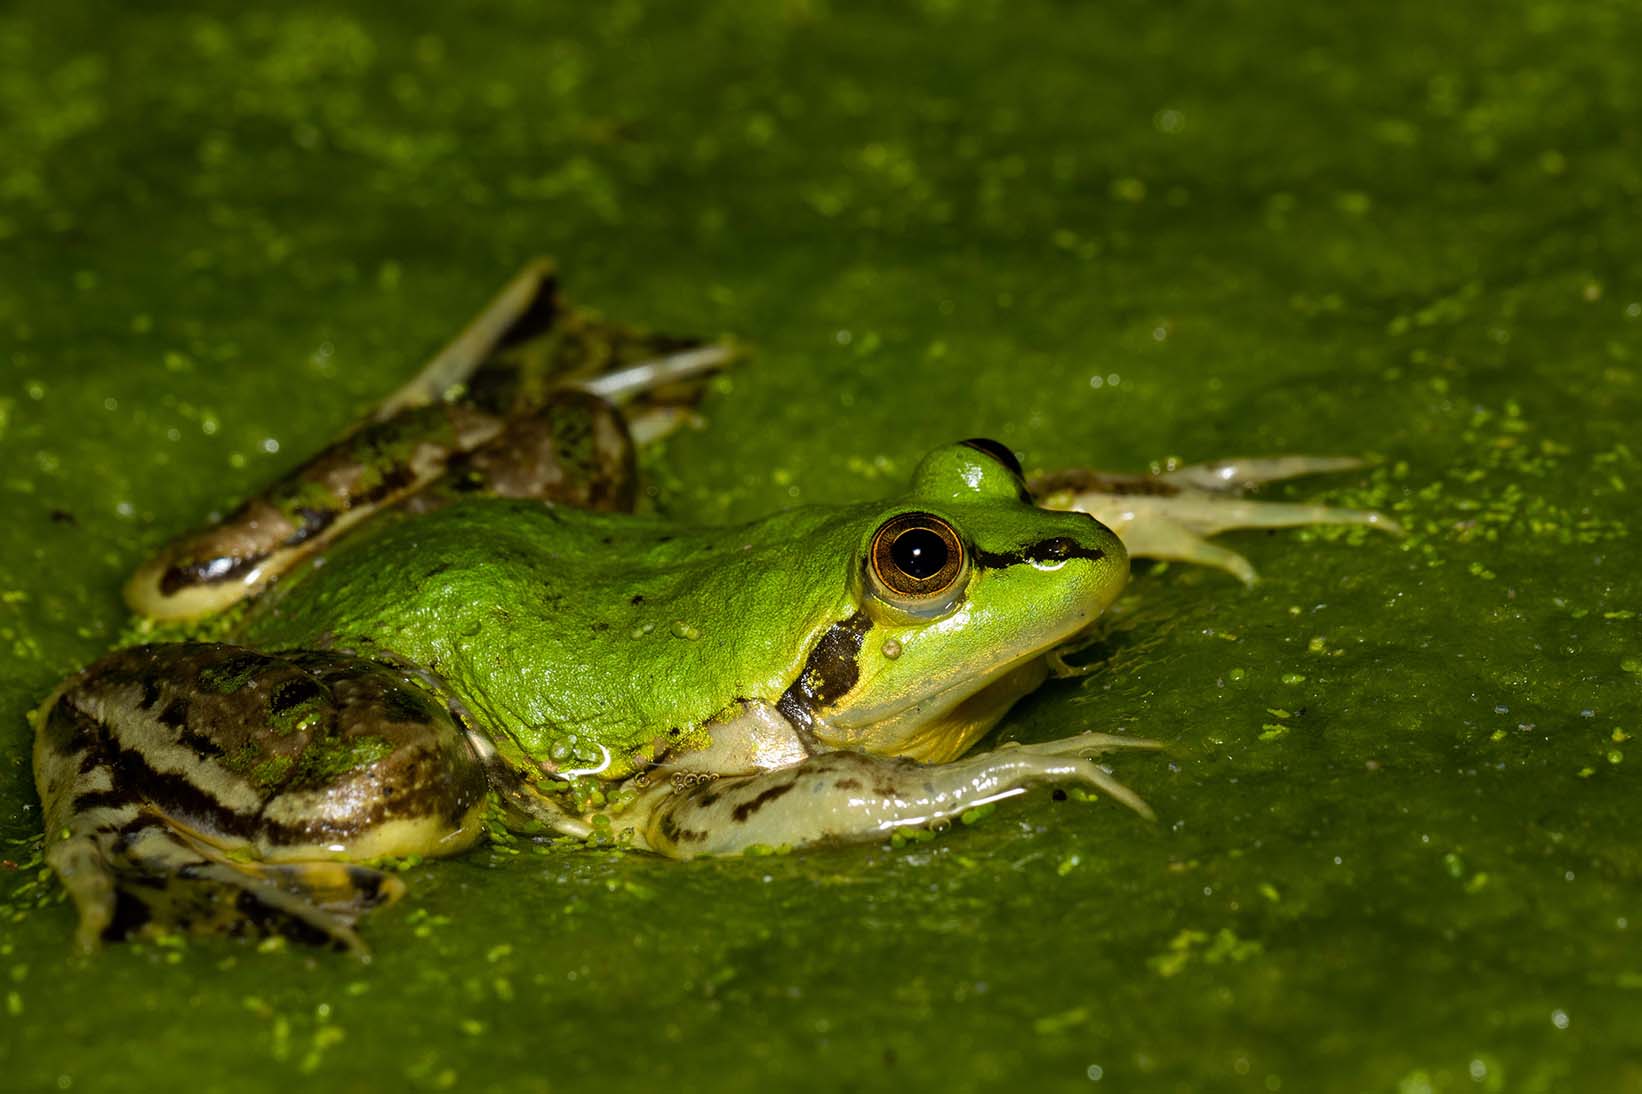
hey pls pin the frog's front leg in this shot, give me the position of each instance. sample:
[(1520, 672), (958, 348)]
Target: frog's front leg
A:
[(1170, 514), (853, 797)]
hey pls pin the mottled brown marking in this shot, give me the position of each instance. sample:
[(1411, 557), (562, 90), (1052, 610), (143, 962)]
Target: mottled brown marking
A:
[(747, 808), (290, 694), (371, 465), (572, 450), (175, 714), (359, 702)]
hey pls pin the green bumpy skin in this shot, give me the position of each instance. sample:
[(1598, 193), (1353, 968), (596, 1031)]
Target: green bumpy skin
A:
[(586, 641)]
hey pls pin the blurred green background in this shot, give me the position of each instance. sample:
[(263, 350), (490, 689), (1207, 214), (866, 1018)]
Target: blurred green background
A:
[(1398, 844)]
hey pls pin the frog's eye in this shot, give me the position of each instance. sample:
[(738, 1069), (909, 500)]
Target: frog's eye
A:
[(916, 557), (998, 451)]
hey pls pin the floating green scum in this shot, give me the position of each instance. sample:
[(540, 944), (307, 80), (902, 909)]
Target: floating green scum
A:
[(456, 601)]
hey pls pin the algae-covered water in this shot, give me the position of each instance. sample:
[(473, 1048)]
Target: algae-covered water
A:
[(1398, 840)]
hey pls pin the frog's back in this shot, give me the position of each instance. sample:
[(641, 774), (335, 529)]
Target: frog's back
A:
[(565, 630)]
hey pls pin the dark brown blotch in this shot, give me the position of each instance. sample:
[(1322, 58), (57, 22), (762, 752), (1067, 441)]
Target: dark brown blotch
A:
[(747, 808), (829, 673), (175, 714), (409, 706), (290, 694)]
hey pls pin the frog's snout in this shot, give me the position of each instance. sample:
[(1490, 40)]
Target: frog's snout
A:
[(1107, 571)]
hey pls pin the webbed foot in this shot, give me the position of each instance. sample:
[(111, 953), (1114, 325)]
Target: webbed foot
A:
[(1170, 514), (152, 879)]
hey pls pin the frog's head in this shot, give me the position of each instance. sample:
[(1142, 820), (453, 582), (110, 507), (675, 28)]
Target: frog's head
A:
[(961, 586)]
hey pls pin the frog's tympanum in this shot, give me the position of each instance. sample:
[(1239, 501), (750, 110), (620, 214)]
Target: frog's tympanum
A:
[(454, 617)]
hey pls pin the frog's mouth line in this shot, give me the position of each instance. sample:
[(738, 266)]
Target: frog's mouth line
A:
[(938, 726)]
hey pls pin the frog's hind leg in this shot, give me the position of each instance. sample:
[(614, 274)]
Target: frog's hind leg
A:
[(1170, 514), (579, 397), (527, 349), (148, 876), (214, 789), (553, 348), (530, 340)]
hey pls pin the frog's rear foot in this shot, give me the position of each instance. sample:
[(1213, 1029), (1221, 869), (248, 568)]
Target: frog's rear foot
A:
[(1170, 514), (151, 879)]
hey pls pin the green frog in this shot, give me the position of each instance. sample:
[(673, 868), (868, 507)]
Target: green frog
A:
[(455, 617)]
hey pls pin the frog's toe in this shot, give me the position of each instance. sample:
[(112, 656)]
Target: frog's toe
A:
[(1175, 526), (1242, 474), (1200, 552), (1070, 759), (311, 902), (1170, 514), (1209, 514), (1086, 744), (153, 880), (90, 884), (1062, 767), (1150, 533), (1093, 774), (687, 366)]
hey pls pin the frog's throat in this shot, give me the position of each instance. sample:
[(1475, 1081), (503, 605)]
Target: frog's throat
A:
[(942, 739)]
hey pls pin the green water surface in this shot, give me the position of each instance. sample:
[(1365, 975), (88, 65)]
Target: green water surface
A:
[(1398, 836)]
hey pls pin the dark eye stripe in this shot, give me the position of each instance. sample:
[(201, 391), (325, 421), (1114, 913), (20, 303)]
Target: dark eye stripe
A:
[(1054, 549)]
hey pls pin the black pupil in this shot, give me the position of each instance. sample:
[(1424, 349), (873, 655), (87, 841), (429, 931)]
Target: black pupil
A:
[(919, 553)]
